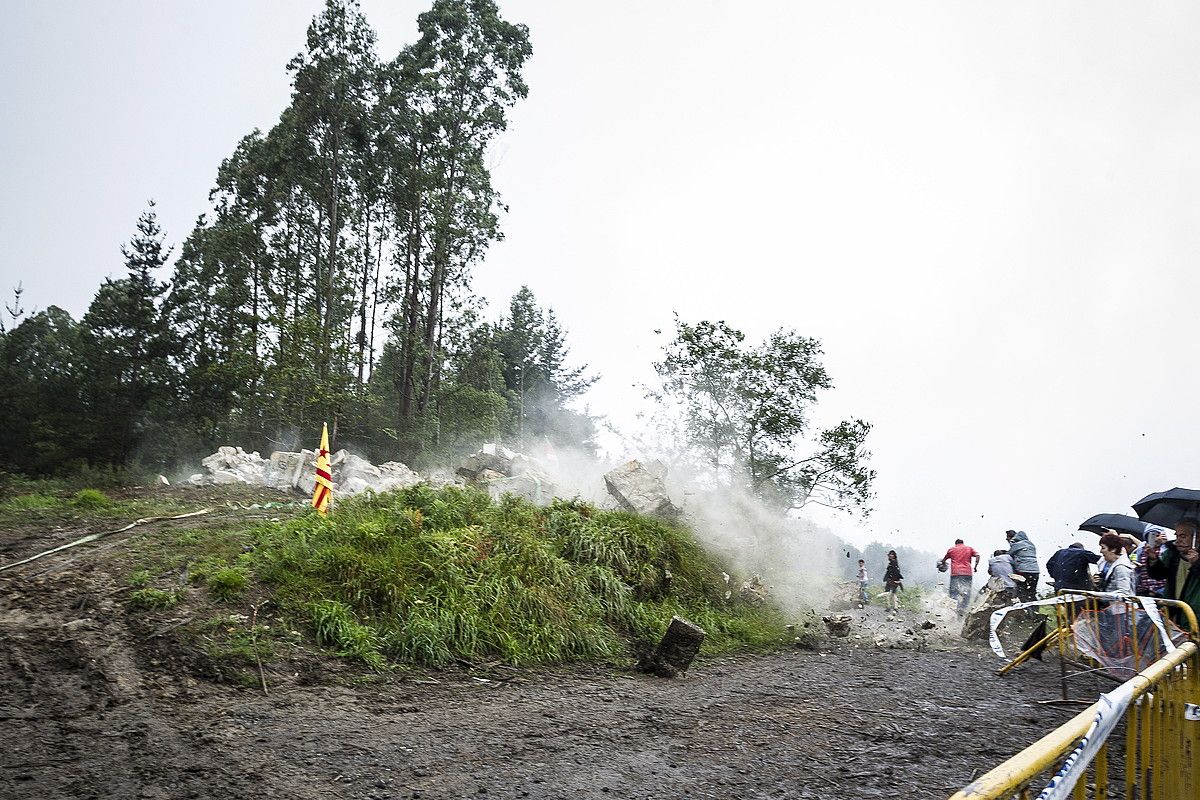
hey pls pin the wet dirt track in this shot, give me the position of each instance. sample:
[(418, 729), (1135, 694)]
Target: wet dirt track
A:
[(94, 705)]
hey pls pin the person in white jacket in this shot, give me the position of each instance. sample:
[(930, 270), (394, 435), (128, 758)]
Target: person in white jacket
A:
[(1116, 574)]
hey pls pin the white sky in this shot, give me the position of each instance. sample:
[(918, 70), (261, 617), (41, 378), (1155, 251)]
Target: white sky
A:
[(988, 212)]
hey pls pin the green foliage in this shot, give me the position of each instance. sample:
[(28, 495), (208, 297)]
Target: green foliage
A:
[(92, 499), (151, 599), (427, 576), (336, 627), (89, 504), (227, 583), (745, 415), (140, 578)]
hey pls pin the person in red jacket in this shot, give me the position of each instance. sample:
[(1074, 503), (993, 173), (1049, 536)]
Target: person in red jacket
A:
[(961, 569)]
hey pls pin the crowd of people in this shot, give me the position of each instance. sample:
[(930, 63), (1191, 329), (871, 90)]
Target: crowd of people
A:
[(1165, 564)]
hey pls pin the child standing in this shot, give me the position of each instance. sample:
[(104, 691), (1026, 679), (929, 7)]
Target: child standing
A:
[(862, 583)]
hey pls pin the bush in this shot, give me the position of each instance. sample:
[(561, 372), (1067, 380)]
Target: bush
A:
[(227, 583), (91, 500), (150, 599)]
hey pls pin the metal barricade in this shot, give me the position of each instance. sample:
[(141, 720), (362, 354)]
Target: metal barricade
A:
[(1100, 636), (1155, 758)]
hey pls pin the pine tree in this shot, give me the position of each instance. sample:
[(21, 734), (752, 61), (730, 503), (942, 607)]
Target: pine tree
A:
[(128, 345)]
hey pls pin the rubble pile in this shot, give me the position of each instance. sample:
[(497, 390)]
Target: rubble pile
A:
[(501, 471), (232, 465), (634, 486), (286, 470)]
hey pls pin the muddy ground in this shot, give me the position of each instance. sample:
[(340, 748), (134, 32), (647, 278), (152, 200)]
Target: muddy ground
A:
[(99, 702)]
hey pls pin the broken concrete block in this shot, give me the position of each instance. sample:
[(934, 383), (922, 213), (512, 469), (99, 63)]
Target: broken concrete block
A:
[(753, 592), (394, 475), (491, 456), (640, 490), (235, 465), (678, 647), (532, 485)]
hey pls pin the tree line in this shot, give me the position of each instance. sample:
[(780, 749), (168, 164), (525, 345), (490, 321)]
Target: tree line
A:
[(329, 280)]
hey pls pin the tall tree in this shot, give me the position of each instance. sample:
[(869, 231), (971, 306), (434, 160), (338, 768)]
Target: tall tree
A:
[(42, 388), (745, 410), (454, 87), (128, 345), (532, 346)]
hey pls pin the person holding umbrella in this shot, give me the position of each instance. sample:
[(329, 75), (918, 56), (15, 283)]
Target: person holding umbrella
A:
[(1178, 563), (1116, 576), (1025, 563)]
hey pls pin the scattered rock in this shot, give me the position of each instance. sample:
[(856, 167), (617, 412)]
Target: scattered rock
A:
[(288, 471), (838, 624), (492, 457), (978, 622), (753, 591), (235, 465)]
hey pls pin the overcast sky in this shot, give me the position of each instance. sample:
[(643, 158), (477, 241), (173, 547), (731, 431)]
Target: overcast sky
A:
[(987, 212)]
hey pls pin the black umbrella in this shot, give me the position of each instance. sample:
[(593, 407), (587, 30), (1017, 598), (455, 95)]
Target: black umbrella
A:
[(1169, 507), (1121, 523)]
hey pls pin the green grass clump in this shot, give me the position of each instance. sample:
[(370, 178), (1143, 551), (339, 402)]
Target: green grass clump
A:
[(428, 576), (35, 501), (46, 503), (151, 599), (227, 583), (91, 500)]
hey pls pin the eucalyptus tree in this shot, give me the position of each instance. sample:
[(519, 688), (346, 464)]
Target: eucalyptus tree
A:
[(451, 90)]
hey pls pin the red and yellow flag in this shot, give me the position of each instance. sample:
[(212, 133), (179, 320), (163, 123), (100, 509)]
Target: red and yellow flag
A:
[(323, 490)]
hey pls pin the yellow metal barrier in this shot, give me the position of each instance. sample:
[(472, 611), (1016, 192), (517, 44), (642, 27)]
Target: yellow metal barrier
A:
[(1160, 743)]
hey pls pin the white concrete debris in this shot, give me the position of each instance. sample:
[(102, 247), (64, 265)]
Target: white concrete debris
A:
[(639, 488), (289, 470), (234, 465), (494, 457), (501, 471), (635, 486)]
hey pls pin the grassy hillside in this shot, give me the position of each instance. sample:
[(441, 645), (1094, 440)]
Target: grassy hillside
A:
[(428, 575), (420, 577)]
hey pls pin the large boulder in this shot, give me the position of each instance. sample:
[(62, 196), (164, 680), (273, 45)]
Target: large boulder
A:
[(532, 484), (356, 475), (640, 488), (283, 470)]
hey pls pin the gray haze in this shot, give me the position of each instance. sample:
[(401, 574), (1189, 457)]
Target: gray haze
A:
[(988, 212)]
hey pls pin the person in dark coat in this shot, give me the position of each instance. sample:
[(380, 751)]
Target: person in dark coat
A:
[(1178, 562), (893, 581), (1069, 567)]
